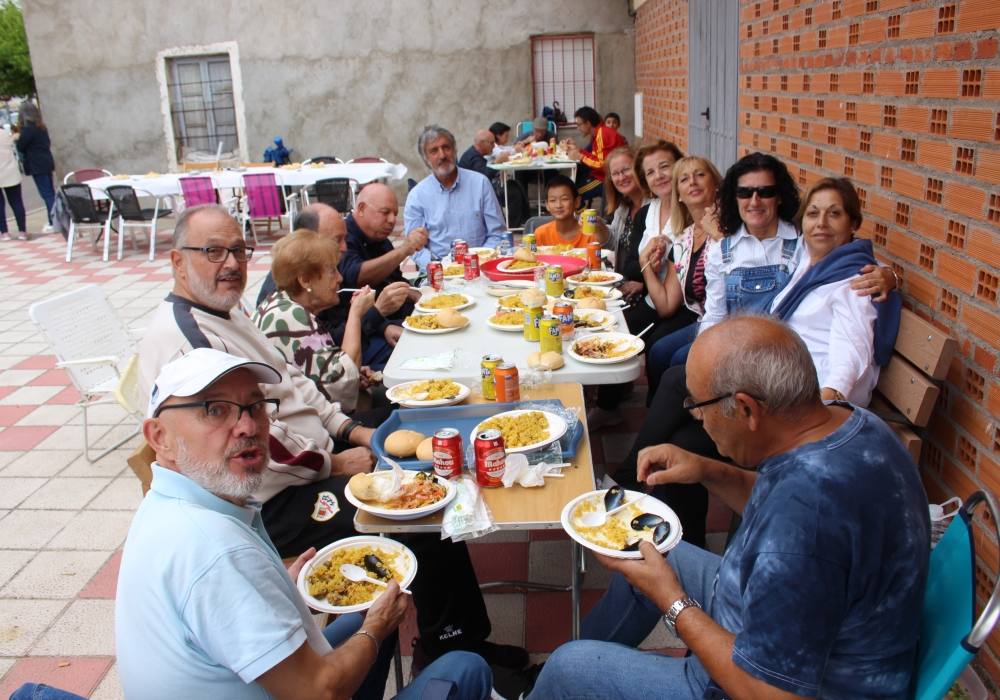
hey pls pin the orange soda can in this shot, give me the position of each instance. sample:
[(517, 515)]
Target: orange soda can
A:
[(507, 382), (563, 310), (594, 255)]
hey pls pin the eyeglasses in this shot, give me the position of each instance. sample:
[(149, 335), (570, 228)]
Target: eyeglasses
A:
[(765, 192), (218, 253), (220, 413), (690, 405)]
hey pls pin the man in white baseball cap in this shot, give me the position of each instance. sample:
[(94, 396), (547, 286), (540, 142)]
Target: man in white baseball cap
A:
[(205, 607)]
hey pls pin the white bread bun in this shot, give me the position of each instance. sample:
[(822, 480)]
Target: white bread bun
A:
[(525, 255), (533, 298), (449, 318), (363, 486), (591, 303), (403, 443), (546, 360), (425, 450)]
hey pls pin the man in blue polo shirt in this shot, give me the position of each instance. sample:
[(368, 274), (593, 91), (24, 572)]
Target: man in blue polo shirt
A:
[(451, 202), (205, 607)]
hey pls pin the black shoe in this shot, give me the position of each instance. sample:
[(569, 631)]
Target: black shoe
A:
[(503, 655)]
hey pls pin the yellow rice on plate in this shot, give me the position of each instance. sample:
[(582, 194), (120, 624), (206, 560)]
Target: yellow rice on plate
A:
[(520, 430), (325, 581)]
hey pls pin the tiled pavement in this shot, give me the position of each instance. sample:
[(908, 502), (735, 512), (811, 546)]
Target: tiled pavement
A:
[(63, 520)]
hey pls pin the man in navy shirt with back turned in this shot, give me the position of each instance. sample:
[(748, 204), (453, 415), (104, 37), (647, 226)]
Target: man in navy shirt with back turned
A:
[(820, 591)]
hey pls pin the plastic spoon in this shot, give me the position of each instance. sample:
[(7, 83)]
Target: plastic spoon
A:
[(595, 519), (353, 572)]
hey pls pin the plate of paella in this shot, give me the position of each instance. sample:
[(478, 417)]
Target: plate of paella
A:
[(507, 320), (589, 291), (325, 588), (432, 324), (424, 393), (524, 430), (641, 517), (598, 278), (445, 300), (606, 348)]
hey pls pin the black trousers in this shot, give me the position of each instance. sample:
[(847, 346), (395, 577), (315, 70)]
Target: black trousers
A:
[(668, 422), (451, 613), (638, 317)]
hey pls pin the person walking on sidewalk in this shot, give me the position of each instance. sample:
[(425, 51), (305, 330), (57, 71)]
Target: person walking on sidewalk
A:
[(10, 183), (36, 155)]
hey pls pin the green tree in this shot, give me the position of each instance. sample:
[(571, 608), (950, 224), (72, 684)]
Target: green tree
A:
[(16, 77)]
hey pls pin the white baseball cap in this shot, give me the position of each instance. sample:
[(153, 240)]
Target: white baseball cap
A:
[(199, 369)]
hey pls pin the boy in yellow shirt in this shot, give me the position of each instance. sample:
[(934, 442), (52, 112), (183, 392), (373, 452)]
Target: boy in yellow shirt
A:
[(562, 201)]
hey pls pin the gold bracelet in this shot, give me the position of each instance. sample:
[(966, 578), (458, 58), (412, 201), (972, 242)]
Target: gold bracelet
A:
[(366, 633)]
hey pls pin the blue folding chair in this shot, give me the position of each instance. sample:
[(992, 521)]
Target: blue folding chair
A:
[(950, 634)]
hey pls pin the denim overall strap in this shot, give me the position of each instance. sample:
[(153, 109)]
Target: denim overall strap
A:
[(752, 289)]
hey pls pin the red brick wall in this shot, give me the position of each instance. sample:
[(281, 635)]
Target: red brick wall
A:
[(661, 69), (902, 96)]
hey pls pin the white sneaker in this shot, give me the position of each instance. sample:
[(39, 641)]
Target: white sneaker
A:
[(48, 228)]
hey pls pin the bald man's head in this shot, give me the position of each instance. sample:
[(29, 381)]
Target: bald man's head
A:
[(483, 141), (375, 211), (324, 219), (756, 355)]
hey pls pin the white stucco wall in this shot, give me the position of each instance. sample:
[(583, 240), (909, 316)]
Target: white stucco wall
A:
[(331, 77)]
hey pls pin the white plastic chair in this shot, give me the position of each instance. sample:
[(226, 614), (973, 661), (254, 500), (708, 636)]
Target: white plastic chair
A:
[(92, 344)]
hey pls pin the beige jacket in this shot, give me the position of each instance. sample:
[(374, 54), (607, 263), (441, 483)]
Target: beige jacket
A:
[(10, 174)]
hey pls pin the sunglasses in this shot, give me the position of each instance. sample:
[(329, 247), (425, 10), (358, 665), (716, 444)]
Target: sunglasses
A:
[(765, 192)]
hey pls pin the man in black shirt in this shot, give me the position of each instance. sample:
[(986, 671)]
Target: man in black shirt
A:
[(474, 157)]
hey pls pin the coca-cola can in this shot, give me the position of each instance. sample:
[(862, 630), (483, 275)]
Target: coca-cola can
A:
[(459, 247), (435, 275), (471, 266), (491, 458), (447, 446)]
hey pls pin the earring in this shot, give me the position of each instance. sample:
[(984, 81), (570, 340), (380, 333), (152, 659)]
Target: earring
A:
[(309, 289)]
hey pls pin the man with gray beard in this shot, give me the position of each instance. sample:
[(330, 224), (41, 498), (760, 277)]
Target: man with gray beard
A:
[(205, 607)]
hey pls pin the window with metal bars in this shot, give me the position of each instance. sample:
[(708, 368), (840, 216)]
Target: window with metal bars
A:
[(562, 69), (201, 104)]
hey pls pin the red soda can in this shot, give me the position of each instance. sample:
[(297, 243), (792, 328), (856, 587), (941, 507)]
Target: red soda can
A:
[(435, 275), (471, 266), (459, 247), (447, 446), (491, 458)]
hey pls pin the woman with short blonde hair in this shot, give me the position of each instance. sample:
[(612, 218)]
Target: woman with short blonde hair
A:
[(304, 266)]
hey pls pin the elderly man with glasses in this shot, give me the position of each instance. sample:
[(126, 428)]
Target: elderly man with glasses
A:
[(205, 607), (820, 590)]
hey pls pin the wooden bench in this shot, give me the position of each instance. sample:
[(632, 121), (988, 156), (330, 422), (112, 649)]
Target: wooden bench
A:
[(908, 387)]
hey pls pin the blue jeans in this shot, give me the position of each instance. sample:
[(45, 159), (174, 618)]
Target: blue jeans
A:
[(39, 691), (13, 196), (457, 675), (612, 667), (670, 350), (46, 191)]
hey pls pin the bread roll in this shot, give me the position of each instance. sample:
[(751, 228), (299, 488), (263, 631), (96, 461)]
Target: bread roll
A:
[(449, 318), (524, 255), (425, 450), (545, 360), (591, 303), (363, 487), (533, 298), (403, 443)]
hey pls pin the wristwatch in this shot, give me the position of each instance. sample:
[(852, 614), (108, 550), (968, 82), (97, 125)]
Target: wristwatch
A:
[(679, 606)]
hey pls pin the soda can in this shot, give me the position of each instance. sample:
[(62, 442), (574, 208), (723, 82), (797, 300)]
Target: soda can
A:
[(549, 335), (554, 283), (508, 238), (471, 266), (435, 275), (447, 446), (588, 222), (528, 242), (563, 310), (459, 246), (531, 318), (486, 367), (491, 458), (594, 255), (508, 386)]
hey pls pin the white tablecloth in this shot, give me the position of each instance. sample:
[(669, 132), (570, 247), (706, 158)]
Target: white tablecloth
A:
[(478, 339), (168, 184)]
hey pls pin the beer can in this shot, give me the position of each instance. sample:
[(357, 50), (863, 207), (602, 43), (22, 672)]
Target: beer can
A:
[(435, 275), (459, 246), (491, 458), (531, 318), (471, 266), (563, 310), (508, 384), (588, 222), (447, 446), (528, 242), (549, 335), (486, 367), (554, 283), (594, 255)]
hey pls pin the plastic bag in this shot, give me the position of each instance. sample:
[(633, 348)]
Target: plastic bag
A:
[(519, 470), (467, 516)]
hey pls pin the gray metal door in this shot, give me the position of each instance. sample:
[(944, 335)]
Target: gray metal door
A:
[(713, 54)]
